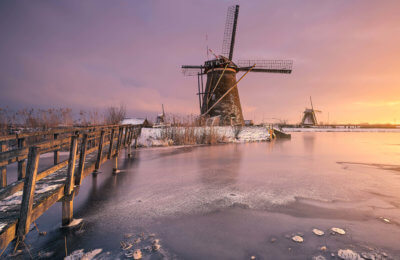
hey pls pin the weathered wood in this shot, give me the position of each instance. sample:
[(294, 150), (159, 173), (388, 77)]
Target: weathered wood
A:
[(82, 159), (131, 136), (67, 211), (56, 152), (3, 169), (29, 191), (21, 163), (44, 201), (126, 135), (115, 168), (99, 152), (67, 202), (19, 185), (119, 141), (15, 155), (110, 149), (69, 183)]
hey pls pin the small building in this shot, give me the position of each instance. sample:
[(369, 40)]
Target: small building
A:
[(136, 121), (248, 122)]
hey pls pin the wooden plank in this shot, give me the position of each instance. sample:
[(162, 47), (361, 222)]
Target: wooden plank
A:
[(22, 153), (8, 235), (82, 159), (29, 190), (52, 169), (53, 131), (69, 182), (19, 185)]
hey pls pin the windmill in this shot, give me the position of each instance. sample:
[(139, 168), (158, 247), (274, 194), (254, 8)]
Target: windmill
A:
[(220, 95), (309, 117)]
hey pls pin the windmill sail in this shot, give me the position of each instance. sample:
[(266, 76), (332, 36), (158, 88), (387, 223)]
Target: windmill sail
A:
[(189, 70), (230, 31), (272, 66)]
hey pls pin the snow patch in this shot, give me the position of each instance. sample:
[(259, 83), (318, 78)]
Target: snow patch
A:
[(80, 254), (151, 137), (2, 225)]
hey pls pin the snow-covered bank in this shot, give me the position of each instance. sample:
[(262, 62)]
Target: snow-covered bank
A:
[(220, 134), (323, 129)]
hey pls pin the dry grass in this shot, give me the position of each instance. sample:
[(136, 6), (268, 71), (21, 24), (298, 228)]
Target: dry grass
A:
[(189, 130), (34, 118), (30, 119)]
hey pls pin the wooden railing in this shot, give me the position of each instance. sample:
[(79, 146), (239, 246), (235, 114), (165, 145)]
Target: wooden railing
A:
[(100, 143)]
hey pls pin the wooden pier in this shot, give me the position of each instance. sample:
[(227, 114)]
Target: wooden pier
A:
[(26, 199)]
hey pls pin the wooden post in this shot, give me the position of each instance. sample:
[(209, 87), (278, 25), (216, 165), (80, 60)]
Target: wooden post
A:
[(67, 211), (82, 158), (56, 152), (67, 201), (119, 140), (130, 136), (28, 193), (115, 169), (99, 152), (22, 163), (129, 150), (111, 143), (3, 169), (124, 132), (69, 184)]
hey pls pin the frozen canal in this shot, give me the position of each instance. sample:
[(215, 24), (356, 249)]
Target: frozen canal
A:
[(236, 201)]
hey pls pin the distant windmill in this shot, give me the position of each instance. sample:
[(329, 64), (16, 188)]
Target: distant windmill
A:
[(220, 97), (161, 117), (309, 117)]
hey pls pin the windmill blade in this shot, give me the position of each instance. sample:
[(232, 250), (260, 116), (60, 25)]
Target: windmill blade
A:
[(312, 107), (270, 66), (230, 31), (189, 70)]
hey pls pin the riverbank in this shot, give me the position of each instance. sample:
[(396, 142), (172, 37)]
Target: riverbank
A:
[(168, 136)]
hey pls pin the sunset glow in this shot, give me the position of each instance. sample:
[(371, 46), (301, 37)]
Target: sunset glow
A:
[(346, 56)]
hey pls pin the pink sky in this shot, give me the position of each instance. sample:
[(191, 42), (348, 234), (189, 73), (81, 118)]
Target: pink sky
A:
[(94, 54)]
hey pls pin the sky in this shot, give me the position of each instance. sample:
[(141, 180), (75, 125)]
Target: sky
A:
[(95, 54)]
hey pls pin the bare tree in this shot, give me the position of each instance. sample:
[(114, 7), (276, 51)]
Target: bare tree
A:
[(114, 115)]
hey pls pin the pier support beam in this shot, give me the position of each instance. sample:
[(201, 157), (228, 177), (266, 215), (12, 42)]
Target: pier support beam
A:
[(67, 211), (28, 193), (56, 152), (21, 163), (99, 153), (3, 169), (110, 151), (115, 168), (67, 201), (82, 159)]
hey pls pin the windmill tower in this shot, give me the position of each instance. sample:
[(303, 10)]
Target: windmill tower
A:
[(309, 117), (220, 95)]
